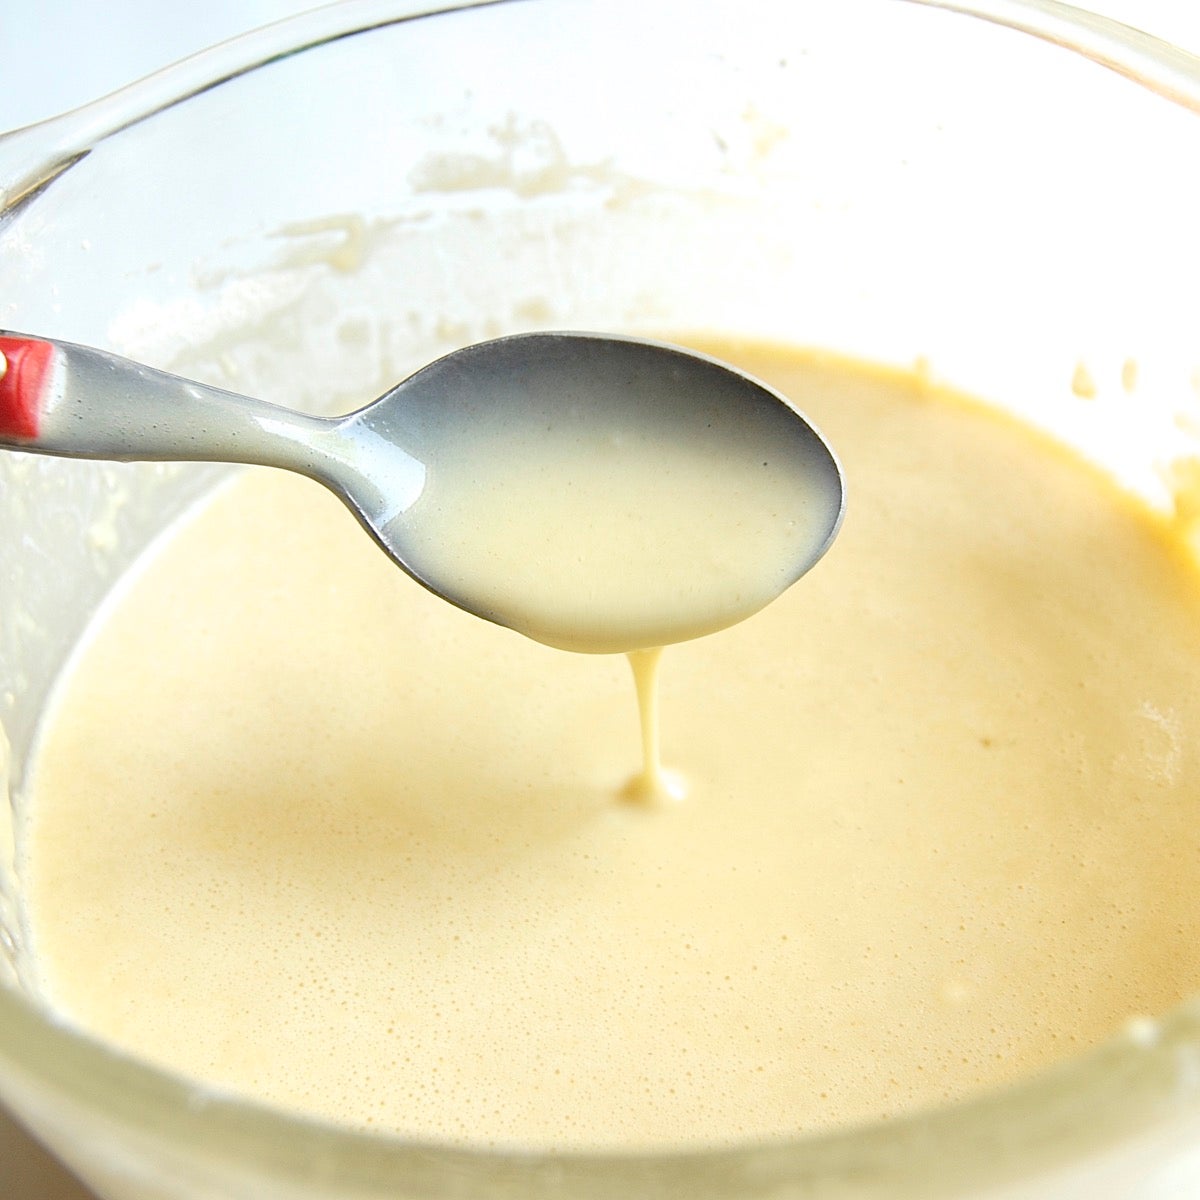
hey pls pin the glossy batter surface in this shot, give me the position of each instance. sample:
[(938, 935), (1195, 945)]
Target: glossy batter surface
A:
[(306, 832)]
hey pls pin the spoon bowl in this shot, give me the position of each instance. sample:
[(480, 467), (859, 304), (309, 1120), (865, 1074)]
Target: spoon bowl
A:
[(595, 492)]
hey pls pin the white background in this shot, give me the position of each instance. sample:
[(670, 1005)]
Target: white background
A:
[(57, 54)]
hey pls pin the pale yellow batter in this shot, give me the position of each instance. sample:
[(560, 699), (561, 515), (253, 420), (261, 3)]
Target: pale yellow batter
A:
[(605, 527), (306, 832)]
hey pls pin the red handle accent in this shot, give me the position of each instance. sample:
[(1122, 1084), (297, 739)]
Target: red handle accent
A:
[(24, 386)]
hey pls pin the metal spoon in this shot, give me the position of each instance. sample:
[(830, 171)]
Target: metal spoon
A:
[(410, 466)]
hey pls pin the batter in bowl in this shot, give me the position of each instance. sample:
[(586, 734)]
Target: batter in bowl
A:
[(309, 834)]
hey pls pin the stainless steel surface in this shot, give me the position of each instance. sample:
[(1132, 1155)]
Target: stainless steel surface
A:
[(27, 1172), (381, 459)]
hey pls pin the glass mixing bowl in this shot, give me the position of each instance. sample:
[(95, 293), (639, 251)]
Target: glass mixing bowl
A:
[(313, 210)]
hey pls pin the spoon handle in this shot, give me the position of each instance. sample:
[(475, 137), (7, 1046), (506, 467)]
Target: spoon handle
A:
[(78, 402)]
